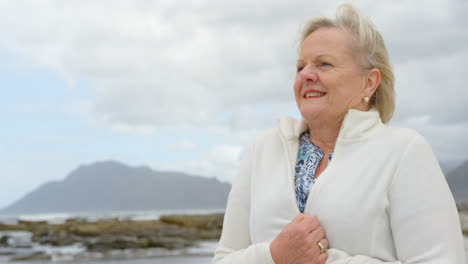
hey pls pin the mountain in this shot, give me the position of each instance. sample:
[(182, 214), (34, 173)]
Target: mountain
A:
[(448, 166), (111, 185), (458, 182), (114, 186)]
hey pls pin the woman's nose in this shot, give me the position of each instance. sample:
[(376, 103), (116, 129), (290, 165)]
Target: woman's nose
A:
[(308, 74)]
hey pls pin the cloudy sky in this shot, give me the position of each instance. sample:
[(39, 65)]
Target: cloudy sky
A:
[(185, 85)]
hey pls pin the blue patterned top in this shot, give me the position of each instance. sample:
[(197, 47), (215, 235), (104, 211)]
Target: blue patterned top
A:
[(308, 158)]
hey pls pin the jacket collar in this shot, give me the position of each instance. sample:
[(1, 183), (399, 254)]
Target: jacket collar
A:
[(356, 125)]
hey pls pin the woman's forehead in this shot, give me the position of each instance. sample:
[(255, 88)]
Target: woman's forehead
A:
[(323, 42)]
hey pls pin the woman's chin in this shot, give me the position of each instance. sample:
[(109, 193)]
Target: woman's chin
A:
[(312, 113), (311, 110)]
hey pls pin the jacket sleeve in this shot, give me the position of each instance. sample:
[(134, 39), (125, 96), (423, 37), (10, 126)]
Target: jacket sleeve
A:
[(235, 245), (424, 219)]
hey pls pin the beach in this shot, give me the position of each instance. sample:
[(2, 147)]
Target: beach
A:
[(182, 238)]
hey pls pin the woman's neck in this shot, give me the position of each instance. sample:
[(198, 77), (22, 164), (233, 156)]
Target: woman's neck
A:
[(324, 135)]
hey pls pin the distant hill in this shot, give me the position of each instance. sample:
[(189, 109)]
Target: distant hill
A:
[(448, 166), (114, 186), (458, 182)]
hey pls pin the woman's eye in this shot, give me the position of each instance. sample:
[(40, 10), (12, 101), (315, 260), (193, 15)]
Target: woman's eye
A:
[(324, 64), (300, 68)]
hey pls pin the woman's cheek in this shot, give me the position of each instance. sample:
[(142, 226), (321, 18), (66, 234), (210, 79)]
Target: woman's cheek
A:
[(297, 89)]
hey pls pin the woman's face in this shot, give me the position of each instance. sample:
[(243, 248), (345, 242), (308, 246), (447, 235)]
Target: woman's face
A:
[(329, 81)]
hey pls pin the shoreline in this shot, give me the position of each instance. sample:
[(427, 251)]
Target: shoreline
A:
[(464, 221), (81, 239)]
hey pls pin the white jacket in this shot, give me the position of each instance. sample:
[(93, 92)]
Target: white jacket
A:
[(382, 198)]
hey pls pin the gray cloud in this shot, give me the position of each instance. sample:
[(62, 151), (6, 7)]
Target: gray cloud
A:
[(158, 64), (433, 87)]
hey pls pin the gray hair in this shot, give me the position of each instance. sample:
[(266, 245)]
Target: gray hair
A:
[(365, 38)]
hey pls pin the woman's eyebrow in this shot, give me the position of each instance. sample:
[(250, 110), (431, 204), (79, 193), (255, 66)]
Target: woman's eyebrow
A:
[(320, 56)]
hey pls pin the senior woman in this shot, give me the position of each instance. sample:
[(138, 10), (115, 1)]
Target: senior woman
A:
[(340, 178)]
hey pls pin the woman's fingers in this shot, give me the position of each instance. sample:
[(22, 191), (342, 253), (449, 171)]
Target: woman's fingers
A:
[(318, 234), (324, 243), (322, 258), (298, 242), (309, 223), (298, 218)]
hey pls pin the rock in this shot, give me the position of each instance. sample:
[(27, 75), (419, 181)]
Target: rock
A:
[(7, 252), (4, 241), (169, 243), (38, 255), (105, 243), (464, 222), (168, 233), (197, 221), (463, 206)]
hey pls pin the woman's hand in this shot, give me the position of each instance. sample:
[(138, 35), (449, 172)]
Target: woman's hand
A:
[(297, 242)]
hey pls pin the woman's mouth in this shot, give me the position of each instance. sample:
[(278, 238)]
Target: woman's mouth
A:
[(312, 93)]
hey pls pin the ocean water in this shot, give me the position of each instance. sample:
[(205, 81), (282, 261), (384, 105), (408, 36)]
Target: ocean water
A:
[(76, 253), (58, 218)]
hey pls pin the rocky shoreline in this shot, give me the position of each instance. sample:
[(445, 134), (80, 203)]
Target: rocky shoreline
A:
[(463, 213), (83, 240), (464, 222), (109, 238)]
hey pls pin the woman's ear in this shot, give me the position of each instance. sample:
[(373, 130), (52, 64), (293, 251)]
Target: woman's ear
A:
[(372, 82)]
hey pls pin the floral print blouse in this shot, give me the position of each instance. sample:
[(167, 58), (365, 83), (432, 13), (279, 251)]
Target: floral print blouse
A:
[(308, 158)]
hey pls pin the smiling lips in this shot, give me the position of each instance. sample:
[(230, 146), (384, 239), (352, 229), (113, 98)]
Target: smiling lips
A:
[(311, 93)]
